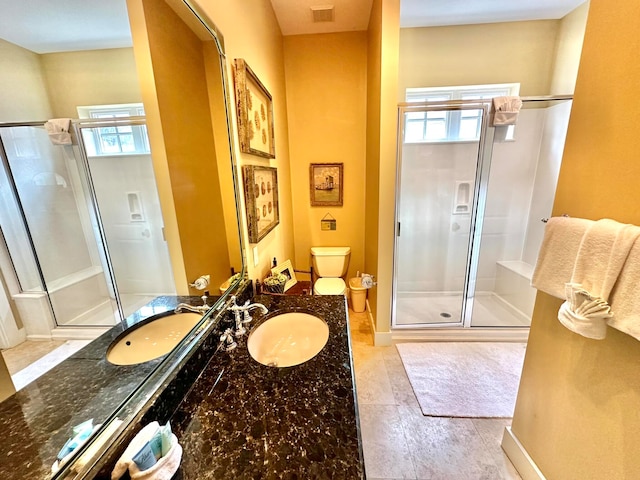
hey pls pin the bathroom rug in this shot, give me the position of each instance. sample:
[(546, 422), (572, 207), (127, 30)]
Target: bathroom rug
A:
[(464, 379)]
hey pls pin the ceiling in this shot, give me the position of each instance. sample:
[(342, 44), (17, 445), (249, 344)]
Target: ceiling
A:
[(295, 16), (46, 26)]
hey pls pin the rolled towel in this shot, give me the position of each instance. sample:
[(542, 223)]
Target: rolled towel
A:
[(164, 469), (594, 328)]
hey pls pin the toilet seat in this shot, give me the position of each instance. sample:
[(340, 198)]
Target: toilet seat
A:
[(329, 286)]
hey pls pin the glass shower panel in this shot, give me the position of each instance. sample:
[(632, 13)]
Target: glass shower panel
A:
[(127, 197), (435, 204), (61, 224), (521, 188)]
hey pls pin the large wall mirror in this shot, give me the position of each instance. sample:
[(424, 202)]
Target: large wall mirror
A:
[(143, 203)]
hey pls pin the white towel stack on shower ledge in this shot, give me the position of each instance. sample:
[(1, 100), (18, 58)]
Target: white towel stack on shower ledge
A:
[(595, 267)]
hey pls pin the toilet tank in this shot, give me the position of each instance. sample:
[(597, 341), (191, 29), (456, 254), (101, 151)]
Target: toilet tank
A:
[(330, 261)]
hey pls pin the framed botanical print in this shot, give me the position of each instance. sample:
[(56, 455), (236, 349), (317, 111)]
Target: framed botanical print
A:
[(254, 107), (261, 200)]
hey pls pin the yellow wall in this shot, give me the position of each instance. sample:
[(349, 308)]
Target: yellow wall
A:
[(172, 66), (23, 93), (91, 77), (251, 32), (326, 101), (372, 165), (384, 27), (577, 406), (568, 48), (479, 54)]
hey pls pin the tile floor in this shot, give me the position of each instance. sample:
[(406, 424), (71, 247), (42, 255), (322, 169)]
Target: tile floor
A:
[(39, 358), (399, 442)]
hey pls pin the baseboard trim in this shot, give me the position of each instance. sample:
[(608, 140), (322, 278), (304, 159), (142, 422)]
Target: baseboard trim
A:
[(519, 456), (473, 334), (78, 333), (380, 339)]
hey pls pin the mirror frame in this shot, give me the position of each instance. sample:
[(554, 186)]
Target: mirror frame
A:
[(133, 404)]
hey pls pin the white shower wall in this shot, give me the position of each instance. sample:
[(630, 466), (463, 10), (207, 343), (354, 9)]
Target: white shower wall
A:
[(131, 216), (434, 241)]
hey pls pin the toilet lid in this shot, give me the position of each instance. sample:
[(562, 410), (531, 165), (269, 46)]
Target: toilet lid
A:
[(329, 286)]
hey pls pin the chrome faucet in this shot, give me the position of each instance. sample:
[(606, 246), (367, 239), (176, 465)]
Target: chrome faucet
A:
[(202, 309), (242, 314)]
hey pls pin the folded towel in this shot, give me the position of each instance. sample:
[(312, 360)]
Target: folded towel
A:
[(603, 251), (505, 110), (624, 298), (558, 252), (58, 130)]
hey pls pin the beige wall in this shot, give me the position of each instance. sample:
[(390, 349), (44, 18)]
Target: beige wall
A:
[(92, 77), (568, 48), (251, 32), (326, 101), (23, 92), (382, 85), (479, 54), (577, 407)]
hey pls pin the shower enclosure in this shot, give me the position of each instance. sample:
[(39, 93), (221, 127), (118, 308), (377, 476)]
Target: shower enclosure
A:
[(80, 230), (469, 212)]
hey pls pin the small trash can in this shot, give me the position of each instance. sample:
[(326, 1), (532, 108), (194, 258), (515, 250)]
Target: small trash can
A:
[(358, 295)]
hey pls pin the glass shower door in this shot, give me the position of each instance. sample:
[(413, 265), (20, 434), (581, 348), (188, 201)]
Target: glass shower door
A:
[(438, 169), (520, 192), (43, 191)]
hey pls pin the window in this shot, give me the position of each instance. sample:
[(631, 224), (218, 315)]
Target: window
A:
[(117, 139), (451, 125)]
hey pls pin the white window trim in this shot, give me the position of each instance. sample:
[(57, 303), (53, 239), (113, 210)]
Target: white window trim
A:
[(139, 132), (453, 118)]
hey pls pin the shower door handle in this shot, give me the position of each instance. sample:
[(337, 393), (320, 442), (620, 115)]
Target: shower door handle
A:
[(398, 234)]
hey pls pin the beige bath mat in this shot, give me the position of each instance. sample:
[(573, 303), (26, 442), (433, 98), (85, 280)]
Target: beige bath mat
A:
[(464, 379)]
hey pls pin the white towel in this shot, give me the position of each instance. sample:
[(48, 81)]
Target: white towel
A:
[(625, 298), (505, 110), (162, 470), (603, 252), (558, 252), (59, 131)]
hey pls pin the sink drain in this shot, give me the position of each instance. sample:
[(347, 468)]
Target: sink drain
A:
[(445, 315)]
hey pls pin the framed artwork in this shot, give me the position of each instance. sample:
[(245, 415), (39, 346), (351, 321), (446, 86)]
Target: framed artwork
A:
[(286, 269), (325, 184), (254, 108), (261, 200)]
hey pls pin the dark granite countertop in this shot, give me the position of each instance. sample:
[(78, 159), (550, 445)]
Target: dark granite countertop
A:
[(242, 419), (36, 421)]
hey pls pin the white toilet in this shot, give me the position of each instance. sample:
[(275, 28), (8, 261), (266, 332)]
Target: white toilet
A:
[(330, 264)]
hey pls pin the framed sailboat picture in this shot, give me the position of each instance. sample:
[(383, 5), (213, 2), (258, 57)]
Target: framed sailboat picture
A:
[(325, 184)]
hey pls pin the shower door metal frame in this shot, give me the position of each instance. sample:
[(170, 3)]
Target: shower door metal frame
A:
[(4, 159), (483, 167), (479, 200)]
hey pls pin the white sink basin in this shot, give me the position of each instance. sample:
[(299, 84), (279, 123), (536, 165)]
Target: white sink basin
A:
[(288, 339), (153, 339)]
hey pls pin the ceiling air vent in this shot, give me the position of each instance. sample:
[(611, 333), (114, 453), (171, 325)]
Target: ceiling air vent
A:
[(322, 13)]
